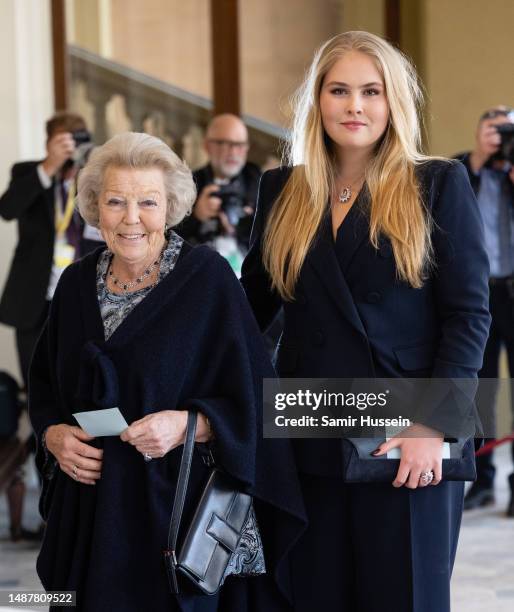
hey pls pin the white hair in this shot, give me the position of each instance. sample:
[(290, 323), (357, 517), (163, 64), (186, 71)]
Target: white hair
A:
[(136, 150)]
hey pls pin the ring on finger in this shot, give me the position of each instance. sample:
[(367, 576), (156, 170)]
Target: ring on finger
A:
[(75, 472), (426, 477), (147, 457)]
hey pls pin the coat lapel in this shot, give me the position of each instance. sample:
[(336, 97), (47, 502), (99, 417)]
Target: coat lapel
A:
[(352, 233), (323, 260), (49, 195), (91, 316)]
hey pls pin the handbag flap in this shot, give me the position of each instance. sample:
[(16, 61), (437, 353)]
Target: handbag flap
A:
[(214, 531), (365, 446), (361, 466), (223, 533)]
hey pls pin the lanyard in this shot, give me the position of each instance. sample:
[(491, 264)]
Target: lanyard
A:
[(62, 220)]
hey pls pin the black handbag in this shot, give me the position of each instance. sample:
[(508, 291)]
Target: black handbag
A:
[(215, 530), (360, 466)]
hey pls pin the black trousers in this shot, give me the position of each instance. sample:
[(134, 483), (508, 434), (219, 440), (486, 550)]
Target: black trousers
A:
[(374, 548), (501, 306)]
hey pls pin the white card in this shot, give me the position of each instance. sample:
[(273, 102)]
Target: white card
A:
[(107, 422), (395, 453)]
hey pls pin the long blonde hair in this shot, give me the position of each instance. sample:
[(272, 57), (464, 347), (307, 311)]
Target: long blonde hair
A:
[(396, 211)]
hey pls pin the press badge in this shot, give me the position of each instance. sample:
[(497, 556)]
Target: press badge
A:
[(64, 254)]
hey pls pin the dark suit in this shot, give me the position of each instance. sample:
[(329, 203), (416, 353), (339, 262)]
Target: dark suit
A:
[(24, 296), (370, 546), (23, 304)]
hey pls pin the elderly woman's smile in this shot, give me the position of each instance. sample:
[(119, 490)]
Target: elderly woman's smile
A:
[(132, 215)]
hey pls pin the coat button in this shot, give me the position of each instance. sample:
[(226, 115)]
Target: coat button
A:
[(373, 297), (318, 339)]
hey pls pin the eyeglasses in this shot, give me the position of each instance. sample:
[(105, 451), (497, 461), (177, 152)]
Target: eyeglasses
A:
[(228, 144), (492, 114)]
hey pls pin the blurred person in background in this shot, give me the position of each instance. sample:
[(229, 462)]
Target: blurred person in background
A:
[(491, 173), (227, 186), (223, 213), (40, 196)]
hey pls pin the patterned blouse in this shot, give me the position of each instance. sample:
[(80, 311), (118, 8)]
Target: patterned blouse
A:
[(115, 307)]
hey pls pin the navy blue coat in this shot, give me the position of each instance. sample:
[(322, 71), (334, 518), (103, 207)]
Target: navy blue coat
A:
[(353, 318), (192, 343)]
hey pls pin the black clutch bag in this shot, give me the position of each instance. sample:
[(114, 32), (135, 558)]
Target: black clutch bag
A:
[(215, 530), (360, 466)]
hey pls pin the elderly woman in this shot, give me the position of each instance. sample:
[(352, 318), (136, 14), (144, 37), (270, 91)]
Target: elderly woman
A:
[(157, 329)]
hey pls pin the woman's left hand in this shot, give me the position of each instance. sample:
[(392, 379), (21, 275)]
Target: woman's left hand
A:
[(421, 451), (157, 433)]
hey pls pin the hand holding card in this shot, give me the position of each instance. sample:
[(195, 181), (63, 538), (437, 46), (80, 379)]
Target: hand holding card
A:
[(98, 423)]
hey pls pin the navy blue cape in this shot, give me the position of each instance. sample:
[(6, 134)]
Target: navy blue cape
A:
[(192, 343)]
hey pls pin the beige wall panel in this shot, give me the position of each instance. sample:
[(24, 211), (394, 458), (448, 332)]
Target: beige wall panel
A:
[(364, 15), (168, 39), (277, 42), (468, 66), (85, 29)]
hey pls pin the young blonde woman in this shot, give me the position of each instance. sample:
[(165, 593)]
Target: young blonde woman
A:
[(376, 253)]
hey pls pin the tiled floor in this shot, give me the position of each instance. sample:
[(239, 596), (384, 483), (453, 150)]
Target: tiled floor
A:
[(483, 579), (484, 572)]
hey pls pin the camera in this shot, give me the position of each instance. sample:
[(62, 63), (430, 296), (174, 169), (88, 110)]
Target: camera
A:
[(233, 202), (83, 147), (81, 137), (506, 150)]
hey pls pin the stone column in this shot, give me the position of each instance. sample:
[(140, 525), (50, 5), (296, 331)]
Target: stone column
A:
[(26, 101)]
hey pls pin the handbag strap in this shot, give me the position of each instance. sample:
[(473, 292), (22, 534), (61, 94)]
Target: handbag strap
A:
[(183, 480)]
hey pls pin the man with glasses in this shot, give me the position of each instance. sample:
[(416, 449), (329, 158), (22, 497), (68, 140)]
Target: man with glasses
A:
[(491, 172), (227, 192)]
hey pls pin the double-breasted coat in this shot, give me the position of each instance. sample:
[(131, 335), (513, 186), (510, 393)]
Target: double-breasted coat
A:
[(371, 547)]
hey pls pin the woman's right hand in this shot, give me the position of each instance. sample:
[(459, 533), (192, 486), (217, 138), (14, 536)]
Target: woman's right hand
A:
[(79, 460)]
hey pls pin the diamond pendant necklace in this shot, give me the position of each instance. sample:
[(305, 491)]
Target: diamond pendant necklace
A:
[(346, 194)]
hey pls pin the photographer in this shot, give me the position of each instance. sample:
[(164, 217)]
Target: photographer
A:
[(491, 172), (40, 196), (227, 191)]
